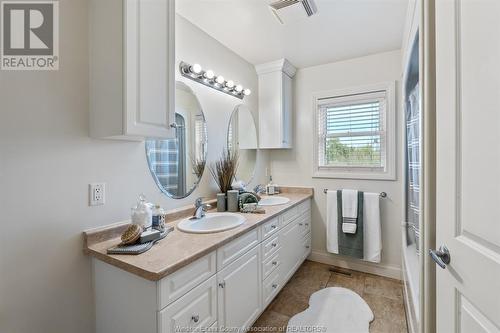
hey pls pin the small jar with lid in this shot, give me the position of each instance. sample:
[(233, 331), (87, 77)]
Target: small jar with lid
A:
[(159, 218)]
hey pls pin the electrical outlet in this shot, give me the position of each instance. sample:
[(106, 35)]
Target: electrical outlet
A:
[(97, 193)]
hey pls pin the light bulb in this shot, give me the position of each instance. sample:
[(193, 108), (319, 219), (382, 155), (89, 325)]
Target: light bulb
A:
[(230, 84), (238, 88), (196, 69), (247, 92), (209, 74), (220, 79)]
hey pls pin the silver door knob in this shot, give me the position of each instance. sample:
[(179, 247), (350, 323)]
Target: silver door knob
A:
[(195, 318), (441, 257)]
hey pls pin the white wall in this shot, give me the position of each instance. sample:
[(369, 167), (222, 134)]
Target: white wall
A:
[(294, 167), (47, 161)]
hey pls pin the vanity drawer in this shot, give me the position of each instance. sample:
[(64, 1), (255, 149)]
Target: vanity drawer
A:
[(196, 309), (305, 223), (270, 227), (304, 206), (231, 251), (288, 216), (271, 287), (270, 264), (306, 244), (270, 247), (180, 282)]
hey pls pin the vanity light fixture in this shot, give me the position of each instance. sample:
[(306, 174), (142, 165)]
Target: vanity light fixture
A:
[(195, 69), (209, 74), (208, 78), (219, 79)]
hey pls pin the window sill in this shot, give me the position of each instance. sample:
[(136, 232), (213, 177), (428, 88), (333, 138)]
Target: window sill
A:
[(346, 173)]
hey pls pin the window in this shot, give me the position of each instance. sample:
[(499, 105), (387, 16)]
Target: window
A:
[(355, 133)]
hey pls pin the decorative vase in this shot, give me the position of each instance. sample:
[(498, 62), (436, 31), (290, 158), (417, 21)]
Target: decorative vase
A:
[(232, 201), (221, 202)]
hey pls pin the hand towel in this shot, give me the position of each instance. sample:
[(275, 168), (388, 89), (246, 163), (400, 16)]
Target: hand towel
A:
[(372, 236), (349, 211)]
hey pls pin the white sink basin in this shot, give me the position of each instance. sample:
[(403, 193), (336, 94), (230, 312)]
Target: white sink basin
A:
[(212, 222), (273, 201)]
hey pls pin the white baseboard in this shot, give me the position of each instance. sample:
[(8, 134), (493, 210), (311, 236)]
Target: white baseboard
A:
[(393, 272)]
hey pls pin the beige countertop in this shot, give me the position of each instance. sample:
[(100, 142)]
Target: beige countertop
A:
[(178, 249)]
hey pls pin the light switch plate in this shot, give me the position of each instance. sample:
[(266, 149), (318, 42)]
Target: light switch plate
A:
[(97, 194)]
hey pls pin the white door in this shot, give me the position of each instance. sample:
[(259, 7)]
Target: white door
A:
[(239, 296), (468, 164)]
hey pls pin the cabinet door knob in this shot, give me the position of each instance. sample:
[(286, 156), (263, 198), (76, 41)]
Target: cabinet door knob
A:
[(274, 263), (307, 246), (173, 125), (195, 318), (301, 224), (222, 284), (275, 286), (307, 224), (273, 227), (274, 244)]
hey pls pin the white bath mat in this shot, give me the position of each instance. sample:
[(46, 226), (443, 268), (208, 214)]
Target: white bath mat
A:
[(333, 310)]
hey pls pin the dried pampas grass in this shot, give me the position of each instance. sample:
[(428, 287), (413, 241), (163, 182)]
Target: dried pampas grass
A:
[(224, 170)]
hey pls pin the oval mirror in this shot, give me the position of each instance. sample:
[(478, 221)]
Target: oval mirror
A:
[(177, 164), (242, 137)]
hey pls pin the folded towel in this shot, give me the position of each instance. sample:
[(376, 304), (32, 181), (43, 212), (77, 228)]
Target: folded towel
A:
[(350, 244), (349, 211), (372, 239)]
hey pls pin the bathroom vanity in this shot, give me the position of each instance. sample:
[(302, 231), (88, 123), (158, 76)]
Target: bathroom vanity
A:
[(221, 280)]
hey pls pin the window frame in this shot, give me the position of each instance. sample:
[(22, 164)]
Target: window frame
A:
[(388, 171)]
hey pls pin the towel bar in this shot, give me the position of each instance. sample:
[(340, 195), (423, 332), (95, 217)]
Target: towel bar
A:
[(382, 194)]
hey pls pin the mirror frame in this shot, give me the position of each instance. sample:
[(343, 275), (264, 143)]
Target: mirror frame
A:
[(153, 174), (235, 109)]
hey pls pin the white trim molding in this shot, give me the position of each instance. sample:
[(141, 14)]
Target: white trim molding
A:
[(388, 172), (393, 272)]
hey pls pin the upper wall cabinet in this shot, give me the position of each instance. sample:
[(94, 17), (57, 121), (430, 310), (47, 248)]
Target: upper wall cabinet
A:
[(132, 82), (275, 104)]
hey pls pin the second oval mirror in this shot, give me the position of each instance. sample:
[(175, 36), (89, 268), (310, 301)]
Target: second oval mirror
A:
[(177, 164), (242, 137)]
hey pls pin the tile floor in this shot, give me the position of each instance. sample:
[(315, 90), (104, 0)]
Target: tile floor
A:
[(383, 295)]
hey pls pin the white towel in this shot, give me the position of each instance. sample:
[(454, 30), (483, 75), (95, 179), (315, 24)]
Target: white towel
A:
[(349, 211), (372, 234)]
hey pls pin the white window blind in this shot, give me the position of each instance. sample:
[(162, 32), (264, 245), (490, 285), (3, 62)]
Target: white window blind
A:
[(351, 131)]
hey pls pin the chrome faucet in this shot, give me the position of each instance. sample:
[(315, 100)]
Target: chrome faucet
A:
[(260, 189), (200, 209)]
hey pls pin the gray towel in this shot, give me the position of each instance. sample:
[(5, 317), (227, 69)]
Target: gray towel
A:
[(350, 244)]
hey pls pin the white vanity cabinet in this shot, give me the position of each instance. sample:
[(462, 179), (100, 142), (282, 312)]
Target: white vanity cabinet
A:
[(239, 297), (132, 69), (275, 104), (228, 288)]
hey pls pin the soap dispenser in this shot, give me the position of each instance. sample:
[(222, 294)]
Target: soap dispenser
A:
[(270, 188), (142, 214)]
